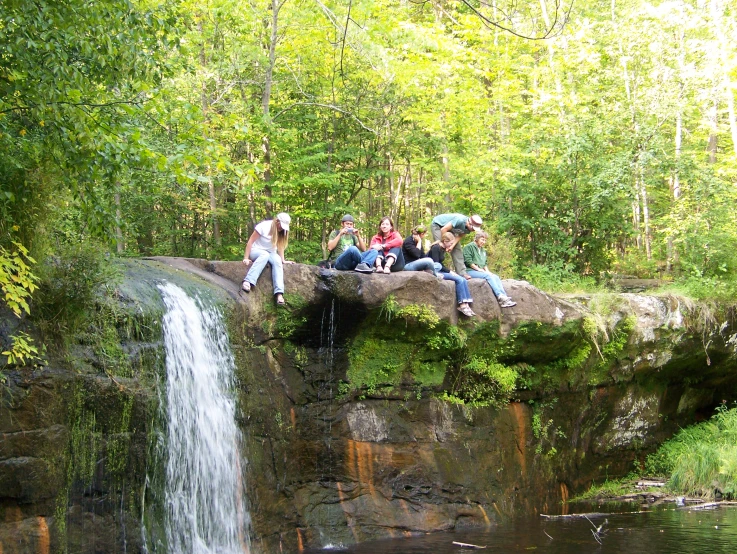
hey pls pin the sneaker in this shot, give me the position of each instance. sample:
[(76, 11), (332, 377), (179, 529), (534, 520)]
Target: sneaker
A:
[(466, 310), (506, 302), (364, 268), (246, 286)]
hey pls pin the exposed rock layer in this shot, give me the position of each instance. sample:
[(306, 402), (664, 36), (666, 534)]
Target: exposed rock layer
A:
[(348, 437)]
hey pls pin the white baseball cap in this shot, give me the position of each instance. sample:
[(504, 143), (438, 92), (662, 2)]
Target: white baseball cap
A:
[(476, 222), (284, 219)]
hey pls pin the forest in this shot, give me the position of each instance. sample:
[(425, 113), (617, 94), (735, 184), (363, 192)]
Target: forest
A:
[(594, 138)]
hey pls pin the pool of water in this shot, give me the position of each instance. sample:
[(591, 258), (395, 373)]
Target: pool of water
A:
[(628, 529)]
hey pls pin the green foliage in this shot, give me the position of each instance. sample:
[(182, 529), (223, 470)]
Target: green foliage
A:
[(704, 288), (543, 428), (501, 254), (619, 339), (148, 126), (21, 351), (701, 458), (17, 283), (558, 277), (378, 363), (401, 342), (609, 489), (484, 383), (70, 283), (285, 321), (73, 73)]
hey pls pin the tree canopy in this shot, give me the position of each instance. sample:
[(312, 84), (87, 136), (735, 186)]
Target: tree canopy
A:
[(591, 137)]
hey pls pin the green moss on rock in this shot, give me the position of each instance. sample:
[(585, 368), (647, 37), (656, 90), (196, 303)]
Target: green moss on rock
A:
[(396, 346)]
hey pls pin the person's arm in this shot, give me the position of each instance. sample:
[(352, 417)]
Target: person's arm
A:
[(333, 242), (361, 245), (446, 229), (376, 243), (247, 254), (394, 241), (410, 247), (281, 255)]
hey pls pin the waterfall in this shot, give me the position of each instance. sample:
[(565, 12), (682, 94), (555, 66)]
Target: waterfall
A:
[(204, 492)]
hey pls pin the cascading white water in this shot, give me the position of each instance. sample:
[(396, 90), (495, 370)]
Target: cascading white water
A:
[(204, 489)]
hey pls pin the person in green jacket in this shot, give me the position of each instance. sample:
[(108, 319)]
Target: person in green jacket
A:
[(474, 257)]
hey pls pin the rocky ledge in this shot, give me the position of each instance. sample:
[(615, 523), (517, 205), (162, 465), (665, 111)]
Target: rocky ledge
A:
[(375, 409), (370, 406)]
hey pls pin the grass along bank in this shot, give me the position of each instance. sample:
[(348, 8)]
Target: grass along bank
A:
[(699, 461)]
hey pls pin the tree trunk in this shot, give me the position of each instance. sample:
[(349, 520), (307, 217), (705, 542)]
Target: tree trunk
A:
[(266, 98), (120, 247), (645, 215), (636, 222), (205, 103), (672, 255), (551, 62), (713, 131), (717, 11)]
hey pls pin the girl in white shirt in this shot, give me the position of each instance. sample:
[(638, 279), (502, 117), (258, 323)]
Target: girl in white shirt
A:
[(267, 245)]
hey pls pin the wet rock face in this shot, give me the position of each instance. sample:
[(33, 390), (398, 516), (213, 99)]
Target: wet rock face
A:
[(349, 436), (349, 402)]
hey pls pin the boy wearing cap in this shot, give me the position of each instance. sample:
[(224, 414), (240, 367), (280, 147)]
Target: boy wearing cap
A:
[(348, 241), (459, 225)]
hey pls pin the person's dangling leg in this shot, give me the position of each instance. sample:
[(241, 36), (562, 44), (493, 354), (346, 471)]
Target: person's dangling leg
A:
[(277, 273)]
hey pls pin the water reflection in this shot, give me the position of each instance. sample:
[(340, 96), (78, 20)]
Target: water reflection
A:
[(657, 529)]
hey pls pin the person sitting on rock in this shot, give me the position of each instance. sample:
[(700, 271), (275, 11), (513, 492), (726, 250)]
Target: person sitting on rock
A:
[(348, 241), (266, 245), (474, 257), (463, 295), (459, 225), (388, 246), (414, 256)]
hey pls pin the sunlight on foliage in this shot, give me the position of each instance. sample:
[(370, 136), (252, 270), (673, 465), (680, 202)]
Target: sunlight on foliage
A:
[(700, 459)]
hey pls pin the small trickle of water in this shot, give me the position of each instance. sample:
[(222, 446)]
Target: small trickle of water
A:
[(204, 491)]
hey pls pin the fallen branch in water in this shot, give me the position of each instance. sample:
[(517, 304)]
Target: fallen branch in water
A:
[(707, 505), (599, 531), (647, 483), (575, 516), (467, 545)]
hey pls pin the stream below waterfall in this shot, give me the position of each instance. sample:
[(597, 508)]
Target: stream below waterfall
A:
[(630, 529)]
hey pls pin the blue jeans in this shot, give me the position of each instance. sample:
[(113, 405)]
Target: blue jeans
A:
[(462, 292), (352, 256), (421, 265), (398, 264), (260, 258), (494, 281)]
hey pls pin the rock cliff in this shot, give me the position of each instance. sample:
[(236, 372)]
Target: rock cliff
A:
[(371, 407)]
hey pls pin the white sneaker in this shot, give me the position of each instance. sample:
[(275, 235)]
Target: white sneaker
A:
[(505, 301)]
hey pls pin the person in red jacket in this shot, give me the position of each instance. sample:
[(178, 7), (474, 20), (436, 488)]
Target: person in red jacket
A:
[(388, 243)]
